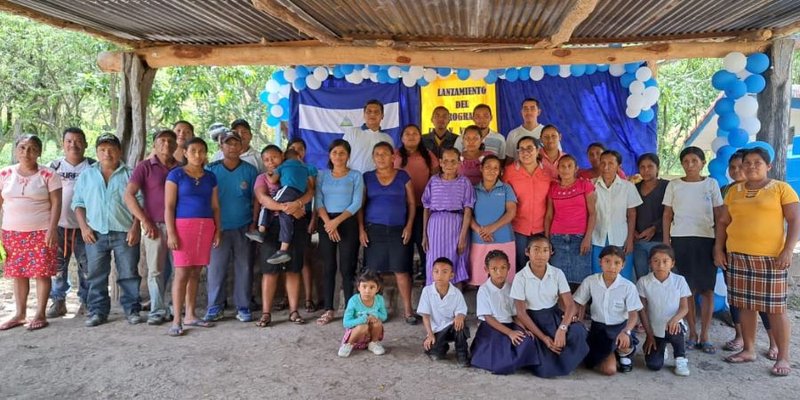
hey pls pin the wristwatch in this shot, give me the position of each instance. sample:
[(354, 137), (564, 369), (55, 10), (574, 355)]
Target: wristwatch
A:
[(563, 327), (628, 332)]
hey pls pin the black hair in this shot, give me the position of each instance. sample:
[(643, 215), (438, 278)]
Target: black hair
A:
[(612, 250), (451, 150), (291, 154), (737, 155), (197, 140), (75, 131), (539, 237), (535, 141), (759, 152), (187, 123), (661, 248), (595, 144), (420, 149), (649, 156), (527, 99), (479, 106), (495, 254), (443, 260), (297, 140), (569, 157), (338, 143), (240, 122), (440, 108), (613, 153), (369, 276), (551, 126), (490, 157), (693, 150), (375, 102), (31, 138), (271, 147), (385, 145)]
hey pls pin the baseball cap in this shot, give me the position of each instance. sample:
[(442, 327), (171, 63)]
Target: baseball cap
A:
[(107, 138)]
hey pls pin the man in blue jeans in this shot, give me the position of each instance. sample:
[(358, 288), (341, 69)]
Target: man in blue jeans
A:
[(107, 226), (235, 180)]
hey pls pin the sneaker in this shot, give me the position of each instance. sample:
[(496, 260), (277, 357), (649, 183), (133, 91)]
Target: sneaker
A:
[(134, 318), (345, 349), (462, 361), (376, 348), (155, 320), (254, 236), (95, 320), (625, 365), (244, 314), (682, 366), (57, 309), (434, 356), (279, 257), (214, 313)]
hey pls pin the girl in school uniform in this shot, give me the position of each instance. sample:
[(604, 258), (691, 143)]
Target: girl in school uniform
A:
[(448, 200), (615, 308), (536, 291), (500, 344)]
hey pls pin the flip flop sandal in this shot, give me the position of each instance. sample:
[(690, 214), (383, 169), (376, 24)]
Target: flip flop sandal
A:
[(175, 330), (11, 324), (295, 317), (706, 347), (691, 344), (411, 319), (325, 318), (310, 306), (199, 323), (733, 345), (37, 324), (737, 359), (266, 319)]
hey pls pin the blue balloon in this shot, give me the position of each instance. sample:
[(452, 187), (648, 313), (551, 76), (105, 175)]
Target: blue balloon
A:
[(651, 83), (301, 71), (525, 74), (724, 153), (722, 180), (736, 89), (722, 133), (463, 74), (374, 68), (647, 115), (602, 67), (264, 97), (755, 83), (422, 82), (285, 116), (577, 69), (300, 83), (491, 77), (551, 70), (393, 80), (358, 67), (347, 68), (500, 72), (738, 138), (405, 68), (728, 122), (764, 145), (443, 71), (591, 68), (717, 166), (338, 72), (757, 63), (284, 103), (632, 67), (383, 76), (626, 79), (722, 78), (724, 106), (512, 74), (278, 76), (273, 121)]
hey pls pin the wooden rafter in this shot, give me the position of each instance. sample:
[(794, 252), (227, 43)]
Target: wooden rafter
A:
[(286, 11), (578, 13), (158, 57)]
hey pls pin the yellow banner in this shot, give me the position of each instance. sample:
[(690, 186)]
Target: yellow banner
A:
[(460, 97)]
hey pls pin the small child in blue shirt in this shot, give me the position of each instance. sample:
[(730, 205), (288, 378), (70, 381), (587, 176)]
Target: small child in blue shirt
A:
[(364, 316), (293, 177)]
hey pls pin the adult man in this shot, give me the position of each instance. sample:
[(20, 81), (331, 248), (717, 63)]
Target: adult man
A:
[(107, 227), (235, 180), (530, 127), (362, 139), (493, 142), (149, 177), (440, 137), (248, 154), (73, 143)]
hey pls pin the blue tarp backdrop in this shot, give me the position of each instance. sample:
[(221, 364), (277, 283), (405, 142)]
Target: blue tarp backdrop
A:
[(588, 108)]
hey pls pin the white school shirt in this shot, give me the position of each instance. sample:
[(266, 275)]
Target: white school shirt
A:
[(494, 143), (610, 305), (539, 294), (442, 311), (663, 299), (611, 210), (362, 140), (693, 206), (496, 302), (518, 133)]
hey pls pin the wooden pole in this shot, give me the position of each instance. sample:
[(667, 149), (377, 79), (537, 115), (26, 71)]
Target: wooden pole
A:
[(774, 104), (135, 86)]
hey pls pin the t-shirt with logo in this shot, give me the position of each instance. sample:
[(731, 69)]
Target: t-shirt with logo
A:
[(69, 175)]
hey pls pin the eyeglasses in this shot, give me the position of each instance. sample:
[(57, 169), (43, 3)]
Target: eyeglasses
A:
[(527, 149)]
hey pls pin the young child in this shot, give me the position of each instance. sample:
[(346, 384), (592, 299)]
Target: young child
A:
[(537, 290), (666, 299), (364, 316), (500, 344), (615, 307), (293, 177), (443, 311)]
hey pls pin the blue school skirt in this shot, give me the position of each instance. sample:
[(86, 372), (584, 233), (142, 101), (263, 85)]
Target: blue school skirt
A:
[(493, 351), (603, 341), (575, 350)]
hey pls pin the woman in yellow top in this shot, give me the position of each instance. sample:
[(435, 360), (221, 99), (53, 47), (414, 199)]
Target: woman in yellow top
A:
[(759, 248)]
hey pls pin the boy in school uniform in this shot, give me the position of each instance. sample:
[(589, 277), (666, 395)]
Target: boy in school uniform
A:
[(443, 311)]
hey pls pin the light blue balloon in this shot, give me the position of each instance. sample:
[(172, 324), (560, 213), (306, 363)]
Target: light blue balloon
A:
[(422, 82), (491, 77), (551, 70), (284, 103), (444, 71), (525, 74), (651, 83), (632, 67), (512, 74), (374, 68), (286, 116), (405, 68), (392, 81), (764, 145), (738, 138), (722, 133), (728, 122), (757, 63), (463, 74), (278, 76), (722, 79), (591, 68), (724, 153), (300, 83), (264, 97), (347, 69), (383, 76), (577, 69), (338, 73), (301, 71), (602, 67), (718, 166), (724, 106), (358, 67), (736, 89), (626, 79), (273, 122), (646, 115), (755, 83)]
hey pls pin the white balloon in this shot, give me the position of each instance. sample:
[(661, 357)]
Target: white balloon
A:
[(290, 74), (394, 72), (632, 112), (364, 73), (285, 90), (563, 71), (312, 82), (429, 74), (746, 106), (272, 86), (294, 87), (355, 77), (718, 142), (743, 74), (273, 98), (751, 125), (537, 73), (636, 102), (616, 69), (734, 62), (409, 81), (643, 74), (416, 71), (321, 73), (636, 87), (651, 95), (276, 111)]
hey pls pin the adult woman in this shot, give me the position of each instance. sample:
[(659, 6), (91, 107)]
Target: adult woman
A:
[(299, 145), (470, 167), (649, 214), (192, 216), (31, 204), (759, 252), (184, 132), (530, 183), (593, 152), (691, 205), (338, 198), (495, 207), (385, 223), (420, 164)]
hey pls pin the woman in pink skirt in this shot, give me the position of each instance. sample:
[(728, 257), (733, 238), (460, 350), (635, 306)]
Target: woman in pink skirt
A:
[(31, 204), (192, 218)]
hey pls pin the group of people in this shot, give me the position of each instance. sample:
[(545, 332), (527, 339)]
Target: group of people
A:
[(544, 241)]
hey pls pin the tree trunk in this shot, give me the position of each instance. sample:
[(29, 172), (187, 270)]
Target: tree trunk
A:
[(774, 102), (136, 84), (113, 84)]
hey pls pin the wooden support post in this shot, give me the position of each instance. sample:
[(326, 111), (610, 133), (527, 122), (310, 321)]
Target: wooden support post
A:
[(136, 84), (774, 103)]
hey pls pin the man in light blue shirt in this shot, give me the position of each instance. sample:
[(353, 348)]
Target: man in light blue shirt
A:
[(107, 226)]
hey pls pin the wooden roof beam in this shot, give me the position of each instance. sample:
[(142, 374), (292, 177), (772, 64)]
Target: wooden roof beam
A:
[(286, 11), (575, 16), (169, 56)]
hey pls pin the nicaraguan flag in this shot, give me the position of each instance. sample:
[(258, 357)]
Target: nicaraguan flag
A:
[(322, 115)]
